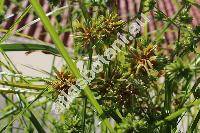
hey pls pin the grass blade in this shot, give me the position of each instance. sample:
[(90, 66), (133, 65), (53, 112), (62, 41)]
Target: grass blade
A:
[(178, 113), (36, 123), (22, 85), (38, 19), (11, 112), (16, 91), (29, 47), (195, 122), (1, 6), (23, 110), (9, 33), (12, 28), (160, 33)]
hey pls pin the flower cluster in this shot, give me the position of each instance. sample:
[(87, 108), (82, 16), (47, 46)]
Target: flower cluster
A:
[(97, 66), (143, 59), (97, 30)]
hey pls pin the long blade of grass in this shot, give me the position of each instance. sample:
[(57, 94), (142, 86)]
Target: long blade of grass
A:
[(177, 113), (11, 112), (10, 101), (21, 35), (160, 33), (3, 65), (84, 114), (38, 19), (5, 37), (9, 33), (36, 123), (30, 115), (168, 99), (12, 28), (48, 26), (39, 70), (23, 85), (16, 91), (1, 6), (195, 122), (29, 47), (23, 110)]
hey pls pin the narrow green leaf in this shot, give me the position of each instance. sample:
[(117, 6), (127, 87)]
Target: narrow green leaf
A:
[(9, 33), (12, 28), (177, 113), (16, 91), (160, 33), (195, 122), (29, 47), (1, 5), (36, 123), (11, 112), (22, 85), (61, 9), (84, 114), (23, 110)]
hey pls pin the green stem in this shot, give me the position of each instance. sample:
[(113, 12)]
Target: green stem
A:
[(1, 5), (23, 110), (195, 122), (6, 91), (177, 113), (10, 32), (84, 113), (21, 85), (160, 34), (12, 28)]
